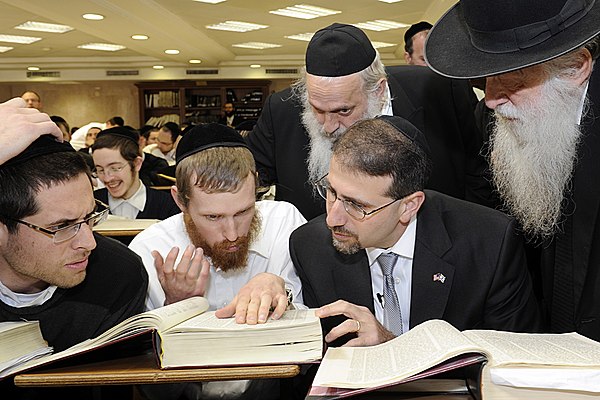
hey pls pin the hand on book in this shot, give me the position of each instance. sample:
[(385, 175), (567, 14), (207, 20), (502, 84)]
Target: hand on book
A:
[(189, 279), (263, 293), (360, 320)]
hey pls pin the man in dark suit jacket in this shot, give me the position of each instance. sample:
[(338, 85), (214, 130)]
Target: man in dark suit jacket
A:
[(545, 94), (292, 133), (457, 261)]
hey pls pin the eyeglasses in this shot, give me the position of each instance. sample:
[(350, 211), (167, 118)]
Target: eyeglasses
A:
[(110, 170), (353, 209), (68, 232)]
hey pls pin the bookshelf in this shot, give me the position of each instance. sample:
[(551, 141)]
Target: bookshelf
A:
[(199, 101)]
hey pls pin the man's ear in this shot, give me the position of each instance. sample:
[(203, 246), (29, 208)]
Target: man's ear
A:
[(137, 163), (407, 57), (175, 195), (584, 70), (381, 87), (4, 236), (412, 204)]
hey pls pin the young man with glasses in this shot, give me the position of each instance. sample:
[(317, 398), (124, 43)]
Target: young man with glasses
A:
[(449, 259), (53, 268), (118, 160)]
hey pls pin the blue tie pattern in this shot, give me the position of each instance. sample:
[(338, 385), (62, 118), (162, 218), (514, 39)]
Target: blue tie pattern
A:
[(392, 319)]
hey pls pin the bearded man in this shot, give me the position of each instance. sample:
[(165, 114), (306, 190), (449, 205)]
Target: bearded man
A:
[(538, 57), (344, 82)]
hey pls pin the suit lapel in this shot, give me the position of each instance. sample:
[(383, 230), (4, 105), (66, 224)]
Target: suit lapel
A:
[(350, 277)]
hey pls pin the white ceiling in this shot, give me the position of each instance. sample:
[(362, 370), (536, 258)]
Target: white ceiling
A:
[(181, 24)]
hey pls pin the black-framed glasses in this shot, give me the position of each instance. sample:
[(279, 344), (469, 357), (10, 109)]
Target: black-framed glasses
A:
[(353, 209), (68, 232)]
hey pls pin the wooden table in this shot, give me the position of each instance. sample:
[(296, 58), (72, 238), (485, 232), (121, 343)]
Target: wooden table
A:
[(143, 370), (120, 227)]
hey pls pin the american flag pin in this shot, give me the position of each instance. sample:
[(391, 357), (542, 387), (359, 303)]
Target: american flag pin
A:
[(439, 277)]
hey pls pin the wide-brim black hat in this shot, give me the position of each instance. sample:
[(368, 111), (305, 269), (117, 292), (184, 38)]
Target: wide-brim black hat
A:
[(478, 38)]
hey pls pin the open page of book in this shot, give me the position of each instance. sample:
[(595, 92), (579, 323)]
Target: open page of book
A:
[(564, 361), (423, 347), (20, 341)]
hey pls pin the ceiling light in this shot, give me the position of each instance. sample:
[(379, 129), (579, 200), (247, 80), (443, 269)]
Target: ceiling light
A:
[(101, 46), (378, 45), (305, 37), (93, 17), (158, 66), (255, 65), (236, 26), (380, 25), (43, 27), (304, 11), (33, 68), (139, 37), (256, 45), (4, 49), (390, 1), (172, 51), (210, 1), (19, 39), (195, 61)]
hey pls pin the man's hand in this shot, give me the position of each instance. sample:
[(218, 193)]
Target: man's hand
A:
[(361, 321), (189, 279), (263, 293), (20, 126)]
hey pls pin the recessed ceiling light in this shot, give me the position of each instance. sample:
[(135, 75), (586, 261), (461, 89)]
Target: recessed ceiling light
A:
[(43, 27), (255, 65), (236, 26), (256, 45), (210, 1), (378, 45), (305, 37), (93, 17), (101, 46), (19, 39), (172, 51), (33, 68), (195, 61), (304, 11), (139, 37), (158, 66), (390, 1), (4, 49), (380, 25)]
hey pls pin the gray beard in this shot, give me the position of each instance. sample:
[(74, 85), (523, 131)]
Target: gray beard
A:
[(532, 156)]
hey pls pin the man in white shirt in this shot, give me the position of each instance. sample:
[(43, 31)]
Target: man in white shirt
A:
[(166, 142), (224, 245)]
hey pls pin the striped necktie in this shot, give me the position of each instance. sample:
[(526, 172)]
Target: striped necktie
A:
[(392, 316)]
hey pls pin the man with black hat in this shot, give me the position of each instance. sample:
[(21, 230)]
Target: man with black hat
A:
[(53, 268), (224, 246), (118, 160), (538, 59), (414, 43), (344, 82)]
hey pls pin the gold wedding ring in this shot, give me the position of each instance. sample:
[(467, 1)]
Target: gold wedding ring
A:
[(357, 325)]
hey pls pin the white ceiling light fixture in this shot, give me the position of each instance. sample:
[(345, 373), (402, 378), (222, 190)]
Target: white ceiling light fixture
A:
[(158, 66), (380, 25), (101, 46), (390, 1), (379, 45), (43, 27), (304, 11), (172, 51), (236, 26), (195, 61), (93, 17), (32, 68), (4, 49), (256, 45), (139, 37), (255, 66), (210, 1), (19, 39), (305, 37)]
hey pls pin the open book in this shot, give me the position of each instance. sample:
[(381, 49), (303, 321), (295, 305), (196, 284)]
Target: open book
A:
[(560, 364), (185, 334), (21, 341)]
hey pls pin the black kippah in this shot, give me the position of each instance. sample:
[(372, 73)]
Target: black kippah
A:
[(46, 144), (339, 50), (121, 132), (416, 28), (408, 130), (206, 136)]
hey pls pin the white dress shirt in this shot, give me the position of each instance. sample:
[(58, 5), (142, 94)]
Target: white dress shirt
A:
[(129, 208)]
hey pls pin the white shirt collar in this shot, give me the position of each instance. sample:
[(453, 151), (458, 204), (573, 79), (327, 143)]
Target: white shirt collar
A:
[(404, 247), (20, 300), (138, 200), (582, 103), (387, 107)]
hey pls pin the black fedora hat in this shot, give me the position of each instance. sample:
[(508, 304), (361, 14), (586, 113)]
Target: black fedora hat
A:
[(478, 38)]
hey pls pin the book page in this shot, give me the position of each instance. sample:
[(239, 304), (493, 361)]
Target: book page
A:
[(115, 223), (423, 347)]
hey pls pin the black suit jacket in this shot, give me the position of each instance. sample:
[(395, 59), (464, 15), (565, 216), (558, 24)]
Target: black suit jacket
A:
[(442, 108), (151, 166), (487, 284), (159, 205)]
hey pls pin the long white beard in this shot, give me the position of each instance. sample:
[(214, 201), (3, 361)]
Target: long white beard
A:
[(533, 151), (321, 143)]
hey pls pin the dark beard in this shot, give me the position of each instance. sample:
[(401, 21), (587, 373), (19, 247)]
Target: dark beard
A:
[(220, 257)]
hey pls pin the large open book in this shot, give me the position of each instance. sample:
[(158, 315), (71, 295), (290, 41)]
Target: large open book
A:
[(557, 364), (185, 334), (20, 341)]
